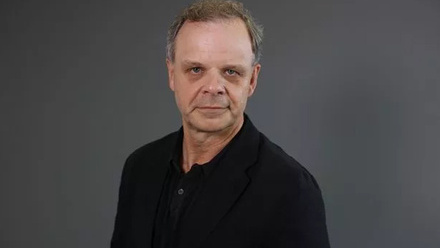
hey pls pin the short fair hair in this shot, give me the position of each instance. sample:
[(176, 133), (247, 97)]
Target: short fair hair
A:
[(212, 10)]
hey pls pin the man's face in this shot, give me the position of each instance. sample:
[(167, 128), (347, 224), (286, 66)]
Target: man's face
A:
[(213, 74)]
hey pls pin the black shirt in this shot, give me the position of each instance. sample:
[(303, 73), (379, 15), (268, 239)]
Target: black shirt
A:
[(179, 191)]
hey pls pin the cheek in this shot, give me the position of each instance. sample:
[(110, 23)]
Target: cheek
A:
[(238, 95), (181, 97), (184, 92)]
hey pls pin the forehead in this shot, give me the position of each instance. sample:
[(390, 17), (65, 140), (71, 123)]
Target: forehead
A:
[(214, 41)]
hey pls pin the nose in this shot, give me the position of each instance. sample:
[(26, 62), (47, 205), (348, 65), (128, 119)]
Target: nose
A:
[(214, 85)]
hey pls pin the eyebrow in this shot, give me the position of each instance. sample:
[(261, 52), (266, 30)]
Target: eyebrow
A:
[(234, 67), (189, 63)]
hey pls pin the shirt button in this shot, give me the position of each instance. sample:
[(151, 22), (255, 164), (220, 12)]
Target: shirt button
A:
[(180, 191)]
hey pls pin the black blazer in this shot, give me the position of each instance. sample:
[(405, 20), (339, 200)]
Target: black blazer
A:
[(257, 196)]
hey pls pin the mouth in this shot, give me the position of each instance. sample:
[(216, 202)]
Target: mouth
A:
[(211, 111), (211, 107)]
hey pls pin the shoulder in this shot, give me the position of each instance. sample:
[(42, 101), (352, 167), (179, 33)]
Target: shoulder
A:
[(155, 151), (288, 188), (157, 147), (276, 164)]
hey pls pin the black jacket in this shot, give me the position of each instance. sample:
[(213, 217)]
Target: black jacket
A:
[(257, 196)]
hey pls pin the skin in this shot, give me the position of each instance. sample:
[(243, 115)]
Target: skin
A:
[(212, 76)]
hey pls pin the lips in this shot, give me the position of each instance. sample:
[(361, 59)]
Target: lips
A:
[(211, 107), (211, 111)]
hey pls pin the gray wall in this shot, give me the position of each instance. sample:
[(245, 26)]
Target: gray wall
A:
[(349, 88)]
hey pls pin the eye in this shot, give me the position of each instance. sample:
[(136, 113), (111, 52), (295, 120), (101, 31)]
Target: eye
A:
[(196, 70), (231, 72)]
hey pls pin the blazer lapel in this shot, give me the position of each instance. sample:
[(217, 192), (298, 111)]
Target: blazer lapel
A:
[(146, 206), (222, 188), (150, 176)]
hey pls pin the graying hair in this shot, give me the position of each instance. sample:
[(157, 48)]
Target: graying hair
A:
[(211, 10)]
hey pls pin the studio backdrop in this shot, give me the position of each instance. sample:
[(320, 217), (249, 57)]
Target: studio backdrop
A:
[(348, 88)]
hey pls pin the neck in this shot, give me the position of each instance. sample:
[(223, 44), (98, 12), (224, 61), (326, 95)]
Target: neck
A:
[(201, 147)]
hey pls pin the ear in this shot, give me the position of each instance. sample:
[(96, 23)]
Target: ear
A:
[(254, 79), (170, 67)]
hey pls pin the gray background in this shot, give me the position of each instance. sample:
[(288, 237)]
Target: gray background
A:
[(349, 88)]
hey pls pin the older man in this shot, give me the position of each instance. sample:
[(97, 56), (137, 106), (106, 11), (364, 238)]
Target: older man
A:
[(217, 182)]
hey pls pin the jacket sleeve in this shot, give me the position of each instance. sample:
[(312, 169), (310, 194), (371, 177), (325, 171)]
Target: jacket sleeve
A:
[(303, 222), (311, 228)]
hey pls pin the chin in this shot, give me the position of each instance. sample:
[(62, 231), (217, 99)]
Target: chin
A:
[(211, 125)]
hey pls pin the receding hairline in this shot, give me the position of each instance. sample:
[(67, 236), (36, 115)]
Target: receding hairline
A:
[(215, 11), (230, 20), (217, 20)]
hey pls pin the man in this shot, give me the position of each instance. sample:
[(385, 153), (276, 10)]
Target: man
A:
[(217, 182)]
